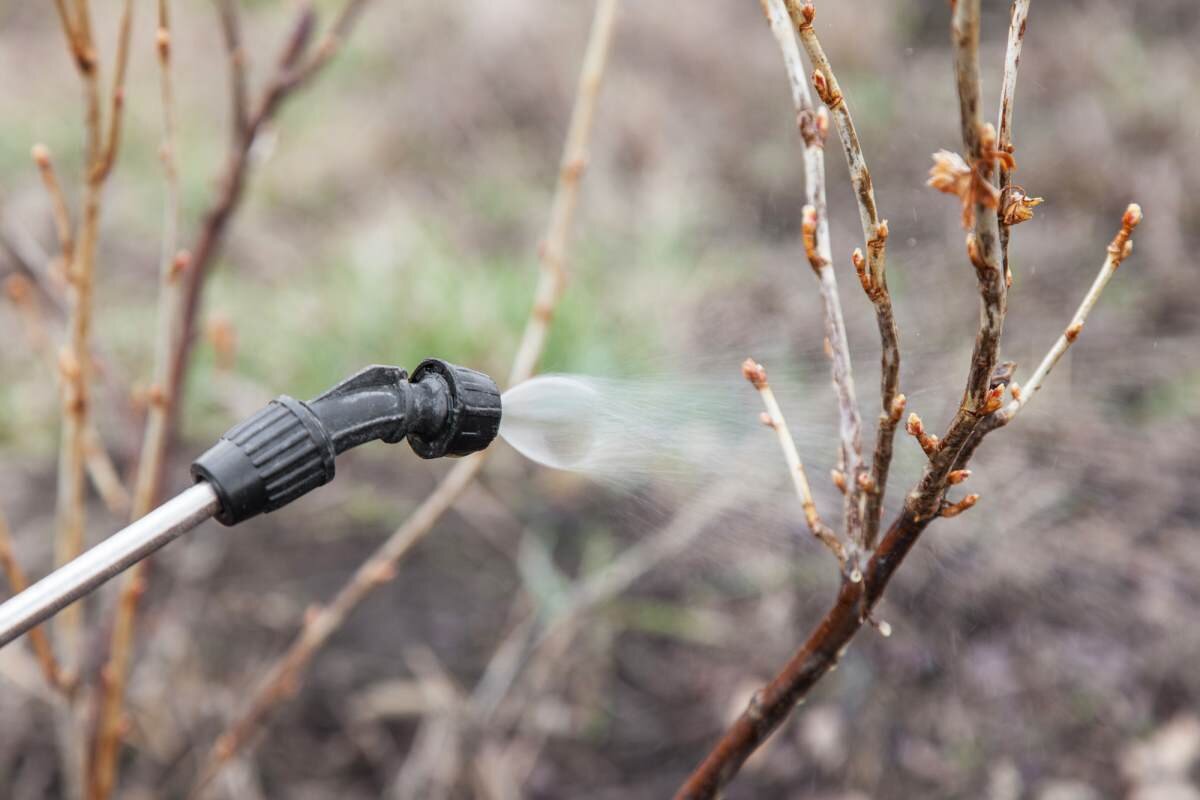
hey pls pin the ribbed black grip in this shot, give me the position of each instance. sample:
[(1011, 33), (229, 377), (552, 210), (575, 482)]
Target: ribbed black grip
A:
[(268, 460)]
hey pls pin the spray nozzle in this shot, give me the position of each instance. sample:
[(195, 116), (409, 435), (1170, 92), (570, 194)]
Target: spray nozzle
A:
[(287, 449)]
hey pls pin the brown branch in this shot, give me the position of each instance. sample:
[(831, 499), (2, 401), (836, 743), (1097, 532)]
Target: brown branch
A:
[(215, 220), (284, 676), (977, 416), (17, 582), (112, 142), (182, 281), (75, 362), (873, 270), (75, 359), (979, 144), (80, 49), (58, 202), (49, 282), (329, 45), (773, 419), (1118, 250), (813, 127), (110, 724), (1012, 61), (103, 473), (231, 32)]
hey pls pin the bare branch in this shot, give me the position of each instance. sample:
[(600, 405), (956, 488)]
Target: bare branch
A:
[(231, 31), (813, 127), (17, 582), (58, 202), (80, 50), (75, 359), (977, 415), (1118, 250), (284, 677), (101, 168), (1012, 61), (111, 719), (329, 45), (872, 271), (979, 142), (100, 468), (552, 252), (773, 418), (215, 220)]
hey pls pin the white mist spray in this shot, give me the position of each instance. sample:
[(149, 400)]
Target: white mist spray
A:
[(667, 442), (648, 432)]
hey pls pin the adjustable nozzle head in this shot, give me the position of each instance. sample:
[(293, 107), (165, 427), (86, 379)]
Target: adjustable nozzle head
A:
[(472, 417), (288, 448)]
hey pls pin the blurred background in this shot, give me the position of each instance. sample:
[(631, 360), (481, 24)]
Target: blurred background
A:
[(1044, 643)]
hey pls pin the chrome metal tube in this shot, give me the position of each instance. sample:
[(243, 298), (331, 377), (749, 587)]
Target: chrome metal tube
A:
[(115, 554)]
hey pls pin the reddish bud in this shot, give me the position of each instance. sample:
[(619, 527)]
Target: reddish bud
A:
[(755, 373)]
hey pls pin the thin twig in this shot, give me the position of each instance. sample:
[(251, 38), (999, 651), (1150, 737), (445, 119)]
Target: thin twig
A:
[(770, 706), (112, 142), (74, 360), (982, 244), (27, 260), (58, 202), (522, 644), (231, 31), (773, 419), (329, 45), (284, 676), (75, 364), (283, 82), (182, 281), (813, 126), (872, 271), (103, 473), (536, 645), (1004, 142), (1118, 250), (68, 27), (17, 582), (110, 724)]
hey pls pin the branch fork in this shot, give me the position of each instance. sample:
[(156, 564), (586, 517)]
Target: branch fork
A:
[(987, 209)]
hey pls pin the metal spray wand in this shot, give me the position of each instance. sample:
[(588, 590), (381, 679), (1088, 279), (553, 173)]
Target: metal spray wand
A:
[(278, 454)]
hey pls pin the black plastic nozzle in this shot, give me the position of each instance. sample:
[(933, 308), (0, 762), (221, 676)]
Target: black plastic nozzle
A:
[(288, 448)]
